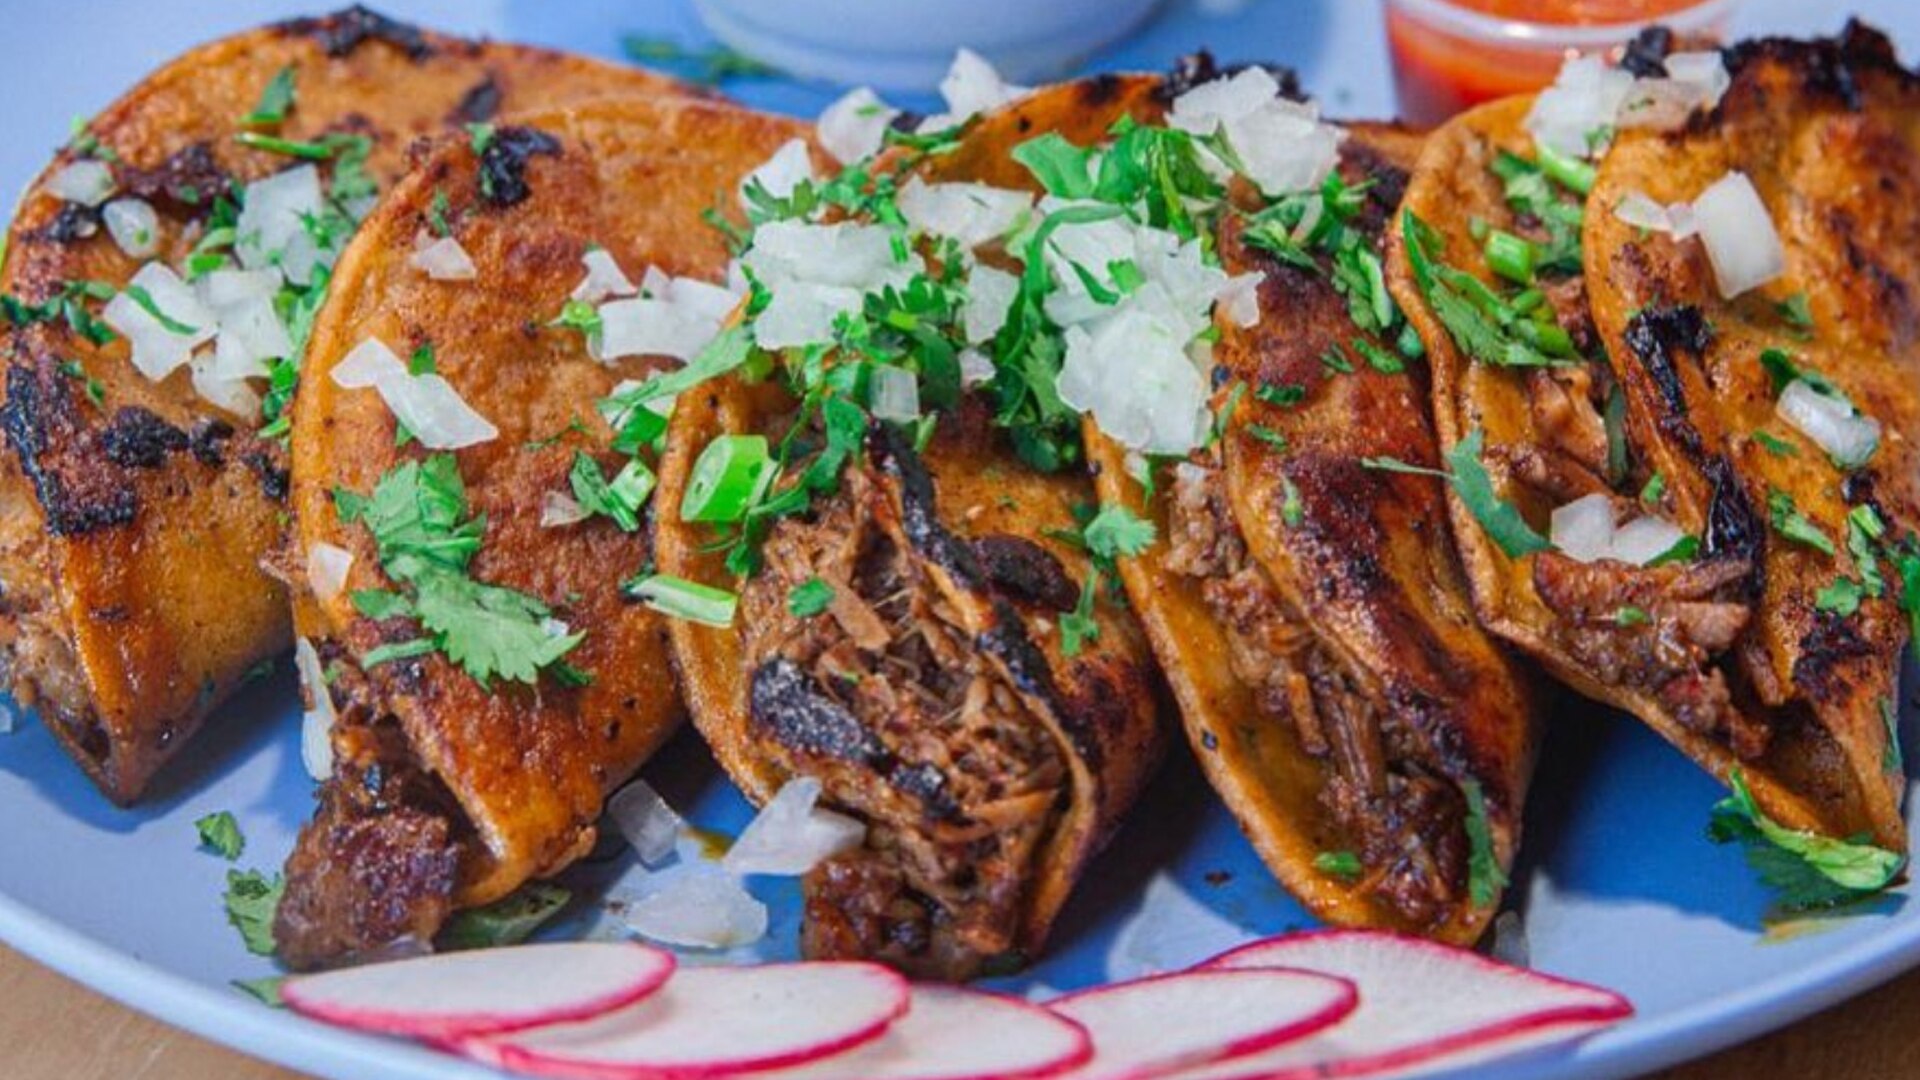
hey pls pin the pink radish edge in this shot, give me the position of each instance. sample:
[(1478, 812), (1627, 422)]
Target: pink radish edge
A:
[(1082, 1055), (1319, 1020), (446, 1033), (1599, 1014), (506, 1055)]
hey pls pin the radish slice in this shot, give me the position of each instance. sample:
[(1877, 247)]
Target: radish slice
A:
[(940, 1038), (1420, 1003), (1163, 1023), (465, 994), (713, 1021)]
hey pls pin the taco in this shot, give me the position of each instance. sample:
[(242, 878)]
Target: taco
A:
[(883, 583), (158, 278), (1779, 401), (1374, 743), (477, 680)]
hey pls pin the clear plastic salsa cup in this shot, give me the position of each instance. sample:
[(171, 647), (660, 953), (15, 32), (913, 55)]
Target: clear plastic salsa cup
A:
[(1449, 55)]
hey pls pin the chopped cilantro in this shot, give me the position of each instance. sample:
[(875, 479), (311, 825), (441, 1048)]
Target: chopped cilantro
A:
[(417, 515), (1805, 870), (1292, 512), (1116, 532), (1629, 615), (1340, 864), (264, 990), (1797, 312), (1790, 523), (1267, 435), (1282, 394), (437, 214), (145, 299), (220, 833), (251, 900), (275, 101), (1485, 326), (1776, 445), (708, 67), (809, 598), (619, 499), (1485, 876), (1841, 598), (1654, 491), (507, 921)]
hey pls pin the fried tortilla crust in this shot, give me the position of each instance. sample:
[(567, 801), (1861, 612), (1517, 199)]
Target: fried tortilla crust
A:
[(1312, 617), (1829, 133), (132, 526), (933, 699), (517, 773)]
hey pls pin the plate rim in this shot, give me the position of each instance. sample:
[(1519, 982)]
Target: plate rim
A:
[(283, 1038)]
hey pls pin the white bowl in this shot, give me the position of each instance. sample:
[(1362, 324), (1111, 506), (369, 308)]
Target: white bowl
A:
[(906, 45)]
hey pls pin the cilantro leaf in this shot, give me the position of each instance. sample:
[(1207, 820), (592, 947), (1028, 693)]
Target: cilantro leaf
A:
[(1115, 532), (1062, 168), (1790, 523), (1485, 876), (620, 498), (489, 631), (507, 921), (252, 899), (220, 833), (1340, 864), (809, 598), (1502, 522), (1805, 869)]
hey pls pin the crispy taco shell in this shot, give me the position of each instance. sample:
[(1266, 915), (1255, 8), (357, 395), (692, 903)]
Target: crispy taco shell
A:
[(134, 514), (1311, 615), (446, 793), (933, 699), (1829, 133)]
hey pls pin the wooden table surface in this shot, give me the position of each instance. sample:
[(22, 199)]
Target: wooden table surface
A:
[(53, 1029)]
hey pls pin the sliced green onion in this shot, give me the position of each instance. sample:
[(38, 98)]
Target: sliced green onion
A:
[(726, 479), (682, 599), (1571, 173), (1510, 256)]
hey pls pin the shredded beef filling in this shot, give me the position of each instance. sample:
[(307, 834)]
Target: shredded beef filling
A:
[(1403, 821), (375, 870), (1692, 617), (908, 726)]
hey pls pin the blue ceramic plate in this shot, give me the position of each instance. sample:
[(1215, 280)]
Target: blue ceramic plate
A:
[(1619, 886)]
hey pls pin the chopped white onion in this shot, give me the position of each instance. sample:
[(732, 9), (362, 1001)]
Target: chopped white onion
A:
[(272, 230), (972, 214), (976, 367), (646, 821), (1584, 530), (1694, 81), (791, 835), (87, 182), (427, 404), (227, 287), (855, 126), (560, 510), (1132, 372), (971, 87), (1281, 144), (229, 392), (1831, 422), (134, 226), (1582, 103), (1644, 539), (327, 569), (443, 259), (1642, 212), (604, 278), (697, 906), (788, 168), (1741, 241), (895, 394), (316, 721), (817, 272), (1239, 299), (251, 333), (158, 350), (990, 294)]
